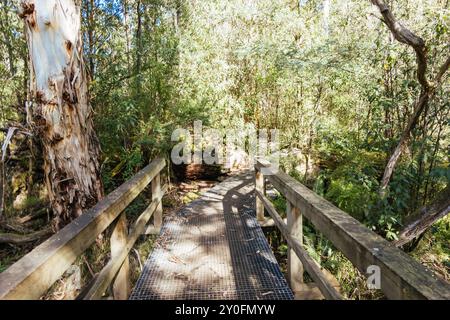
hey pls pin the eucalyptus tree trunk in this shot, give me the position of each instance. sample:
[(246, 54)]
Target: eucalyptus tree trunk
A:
[(60, 113)]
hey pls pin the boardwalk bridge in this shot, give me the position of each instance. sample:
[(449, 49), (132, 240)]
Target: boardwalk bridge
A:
[(214, 248)]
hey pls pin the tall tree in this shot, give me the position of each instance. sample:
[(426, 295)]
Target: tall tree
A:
[(4, 28), (139, 46), (60, 113), (428, 89)]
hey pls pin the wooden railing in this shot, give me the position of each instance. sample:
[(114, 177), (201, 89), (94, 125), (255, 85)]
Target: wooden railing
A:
[(401, 276), (33, 275)]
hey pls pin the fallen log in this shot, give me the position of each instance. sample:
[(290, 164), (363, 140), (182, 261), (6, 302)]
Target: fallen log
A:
[(13, 238), (425, 217), (14, 227), (39, 213)]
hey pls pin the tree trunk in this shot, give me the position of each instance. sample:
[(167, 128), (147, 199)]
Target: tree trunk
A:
[(126, 23), (326, 16), (5, 28), (405, 36), (425, 217), (138, 65), (13, 238), (60, 113), (178, 12), (91, 6)]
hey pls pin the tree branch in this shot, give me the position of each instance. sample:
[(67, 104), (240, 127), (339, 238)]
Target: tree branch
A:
[(442, 70), (405, 36), (24, 238)]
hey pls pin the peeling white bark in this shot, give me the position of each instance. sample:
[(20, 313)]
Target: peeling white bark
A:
[(61, 114), (57, 26)]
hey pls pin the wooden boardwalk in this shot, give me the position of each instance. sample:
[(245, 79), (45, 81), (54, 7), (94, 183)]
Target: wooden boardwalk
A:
[(214, 248)]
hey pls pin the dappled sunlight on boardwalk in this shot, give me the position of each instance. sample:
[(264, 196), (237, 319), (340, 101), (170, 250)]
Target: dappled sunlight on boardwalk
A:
[(214, 249)]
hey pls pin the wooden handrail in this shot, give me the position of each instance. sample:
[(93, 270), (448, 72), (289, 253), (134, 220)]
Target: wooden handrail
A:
[(107, 274), (36, 272), (401, 276), (310, 265)]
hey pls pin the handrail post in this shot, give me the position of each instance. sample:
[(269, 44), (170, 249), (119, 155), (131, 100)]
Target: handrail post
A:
[(156, 190), (295, 228), (259, 185), (121, 286)]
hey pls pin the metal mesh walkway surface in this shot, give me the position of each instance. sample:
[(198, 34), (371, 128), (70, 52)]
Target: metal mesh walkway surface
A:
[(214, 248)]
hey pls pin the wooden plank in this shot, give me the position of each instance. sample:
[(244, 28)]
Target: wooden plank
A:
[(401, 276), (121, 287), (31, 276), (268, 222), (262, 163), (259, 186), (295, 229), (152, 230), (308, 291), (311, 266), (156, 190), (110, 270)]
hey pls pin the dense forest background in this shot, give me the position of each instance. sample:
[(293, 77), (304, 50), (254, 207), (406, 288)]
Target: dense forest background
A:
[(328, 74)]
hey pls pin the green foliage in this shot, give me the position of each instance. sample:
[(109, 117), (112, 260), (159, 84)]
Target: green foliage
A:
[(280, 204), (135, 208), (33, 203), (338, 87), (353, 183), (13, 63)]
